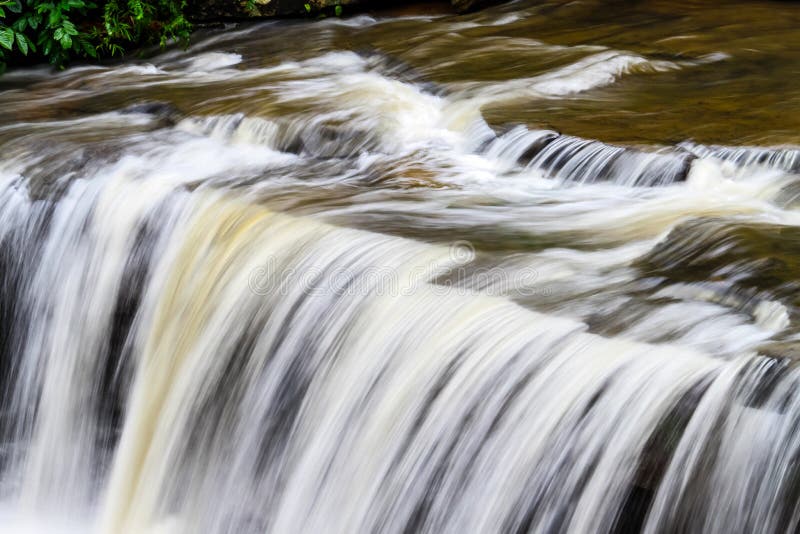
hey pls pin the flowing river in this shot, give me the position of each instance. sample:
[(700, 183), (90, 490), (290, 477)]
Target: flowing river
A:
[(533, 269)]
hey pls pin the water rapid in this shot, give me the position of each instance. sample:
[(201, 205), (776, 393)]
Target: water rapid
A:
[(401, 274)]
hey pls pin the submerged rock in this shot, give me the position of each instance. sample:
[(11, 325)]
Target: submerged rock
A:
[(749, 267), (755, 255), (165, 113)]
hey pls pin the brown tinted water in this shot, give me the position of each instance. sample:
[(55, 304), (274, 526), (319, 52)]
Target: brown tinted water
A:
[(741, 88)]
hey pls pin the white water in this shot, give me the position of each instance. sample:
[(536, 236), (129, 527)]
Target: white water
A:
[(337, 301)]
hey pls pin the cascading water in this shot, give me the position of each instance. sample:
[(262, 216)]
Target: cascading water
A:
[(337, 290)]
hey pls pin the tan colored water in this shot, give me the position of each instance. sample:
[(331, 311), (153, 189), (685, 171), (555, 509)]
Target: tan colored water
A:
[(748, 95)]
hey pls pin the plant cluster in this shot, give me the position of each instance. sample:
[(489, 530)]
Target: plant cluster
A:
[(58, 31), (337, 10)]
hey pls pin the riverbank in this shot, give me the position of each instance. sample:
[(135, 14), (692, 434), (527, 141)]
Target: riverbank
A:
[(216, 10), (34, 31)]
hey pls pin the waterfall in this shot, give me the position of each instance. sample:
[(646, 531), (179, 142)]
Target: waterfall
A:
[(364, 283), (200, 363)]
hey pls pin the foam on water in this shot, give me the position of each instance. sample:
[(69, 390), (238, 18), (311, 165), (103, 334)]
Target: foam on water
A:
[(213, 61), (594, 71)]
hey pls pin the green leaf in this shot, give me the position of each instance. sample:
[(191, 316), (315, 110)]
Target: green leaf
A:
[(34, 21), (66, 42), (58, 34), (15, 6), (338, 10), (136, 8), (88, 49), (69, 28), (2, 13), (308, 7), (20, 25), (7, 38), (22, 44)]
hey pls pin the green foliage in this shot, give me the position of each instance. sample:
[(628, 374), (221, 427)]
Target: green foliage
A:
[(142, 22), (60, 30), (323, 11)]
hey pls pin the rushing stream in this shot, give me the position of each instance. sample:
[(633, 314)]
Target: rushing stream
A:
[(534, 269)]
